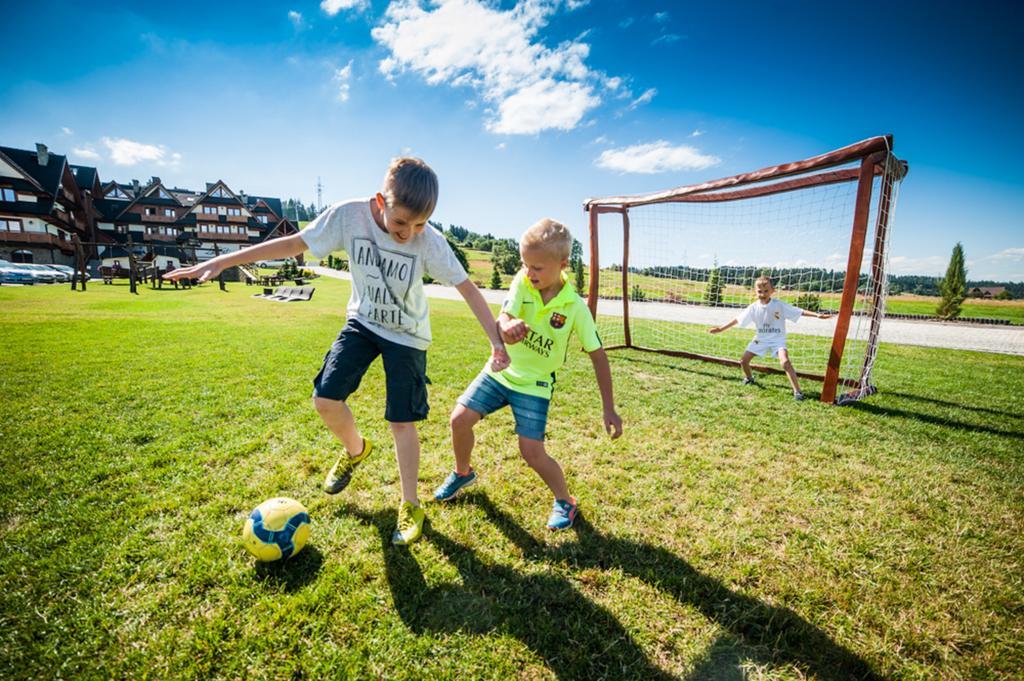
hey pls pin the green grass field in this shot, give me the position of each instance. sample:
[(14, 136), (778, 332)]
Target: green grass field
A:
[(730, 533)]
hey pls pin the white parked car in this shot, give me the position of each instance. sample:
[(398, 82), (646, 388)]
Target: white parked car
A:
[(13, 273), (69, 271), (43, 274)]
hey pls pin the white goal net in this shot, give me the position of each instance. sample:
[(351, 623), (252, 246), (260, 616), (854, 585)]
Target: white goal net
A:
[(672, 264)]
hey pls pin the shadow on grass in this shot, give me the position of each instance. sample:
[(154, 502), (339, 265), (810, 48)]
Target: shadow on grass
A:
[(935, 420), (294, 573), (956, 405), (579, 639)]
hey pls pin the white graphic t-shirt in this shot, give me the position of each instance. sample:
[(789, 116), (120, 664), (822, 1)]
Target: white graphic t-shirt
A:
[(769, 319), (387, 277)]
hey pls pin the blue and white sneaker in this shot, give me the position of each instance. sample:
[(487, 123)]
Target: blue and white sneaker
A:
[(563, 513), (454, 484)]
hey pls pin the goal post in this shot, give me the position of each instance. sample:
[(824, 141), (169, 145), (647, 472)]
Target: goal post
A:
[(666, 266)]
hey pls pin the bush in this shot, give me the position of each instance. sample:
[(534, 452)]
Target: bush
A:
[(1004, 295), (495, 279), (637, 294), (809, 302)]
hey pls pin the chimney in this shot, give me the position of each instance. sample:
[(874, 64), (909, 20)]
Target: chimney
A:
[(242, 197), (42, 153), (154, 179), (135, 186)]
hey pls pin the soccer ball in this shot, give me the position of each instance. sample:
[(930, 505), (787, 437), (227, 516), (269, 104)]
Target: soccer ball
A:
[(276, 530)]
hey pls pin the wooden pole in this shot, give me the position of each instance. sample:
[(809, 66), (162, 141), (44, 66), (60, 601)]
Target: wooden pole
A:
[(131, 266), (595, 265), (220, 277), (858, 234)]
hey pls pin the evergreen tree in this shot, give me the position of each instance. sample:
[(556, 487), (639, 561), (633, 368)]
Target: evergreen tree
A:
[(953, 287), (460, 255), (713, 292), (579, 278), (495, 279)]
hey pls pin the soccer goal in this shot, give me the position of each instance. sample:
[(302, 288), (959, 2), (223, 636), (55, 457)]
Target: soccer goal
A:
[(666, 266)]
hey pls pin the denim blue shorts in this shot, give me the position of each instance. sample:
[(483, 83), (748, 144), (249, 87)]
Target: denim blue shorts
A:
[(485, 395)]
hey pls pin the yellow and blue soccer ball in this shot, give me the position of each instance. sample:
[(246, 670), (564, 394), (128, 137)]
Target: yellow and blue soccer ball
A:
[(276, 530)]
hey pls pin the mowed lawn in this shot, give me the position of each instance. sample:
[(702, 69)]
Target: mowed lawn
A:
[(729, 532)]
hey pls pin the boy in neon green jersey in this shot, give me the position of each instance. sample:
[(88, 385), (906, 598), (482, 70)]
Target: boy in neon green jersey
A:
[(539, 316)]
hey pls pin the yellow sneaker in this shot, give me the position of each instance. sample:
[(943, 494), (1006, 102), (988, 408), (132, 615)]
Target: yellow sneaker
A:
[(341, 473), (410, 524)]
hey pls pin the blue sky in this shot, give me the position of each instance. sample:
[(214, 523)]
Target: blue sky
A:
[(525, 109)]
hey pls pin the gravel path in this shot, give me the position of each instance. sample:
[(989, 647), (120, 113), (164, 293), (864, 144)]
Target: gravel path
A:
[(1001, 339)]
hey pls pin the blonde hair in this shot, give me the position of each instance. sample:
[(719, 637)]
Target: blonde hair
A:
[(412, 184), (550, 235), (764, 279)]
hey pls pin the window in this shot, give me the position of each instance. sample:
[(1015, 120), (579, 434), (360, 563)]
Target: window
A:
[(169, 212), (234, 211), (116, 193), (163, 194), (220, 193), (208, 210), (240, 230), (11, 225), (150, 211), (121, 229), (262, 218), (7, 194)]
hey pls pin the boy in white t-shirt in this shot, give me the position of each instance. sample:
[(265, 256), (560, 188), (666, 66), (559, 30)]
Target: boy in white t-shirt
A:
[(389, 248), (769, 316)]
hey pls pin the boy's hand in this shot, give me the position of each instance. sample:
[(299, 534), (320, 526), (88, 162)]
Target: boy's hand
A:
[(513, 331), (202, 272), (715, 329), (824, 315), (612, 423), (499, 359)]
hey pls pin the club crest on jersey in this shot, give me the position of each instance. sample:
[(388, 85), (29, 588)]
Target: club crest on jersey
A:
[(557, 320)]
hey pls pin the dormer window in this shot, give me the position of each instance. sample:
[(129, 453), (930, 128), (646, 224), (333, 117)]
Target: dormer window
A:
[(7, 194), (262, 218), (116, 193), (220, 193), (163, 194)]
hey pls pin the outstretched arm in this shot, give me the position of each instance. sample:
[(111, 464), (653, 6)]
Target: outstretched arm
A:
[(274, 249), (603, 371), (471, 294), (723, 327), (819, 315)]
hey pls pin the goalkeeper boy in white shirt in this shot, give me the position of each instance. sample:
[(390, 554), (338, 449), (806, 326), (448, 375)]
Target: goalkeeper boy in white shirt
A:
[(769, 316)]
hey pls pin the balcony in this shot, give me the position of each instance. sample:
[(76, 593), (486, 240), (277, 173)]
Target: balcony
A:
[(215, 236), (43, 239)]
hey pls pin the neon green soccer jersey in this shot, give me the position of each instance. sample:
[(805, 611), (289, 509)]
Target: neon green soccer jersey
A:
[(536, 358)]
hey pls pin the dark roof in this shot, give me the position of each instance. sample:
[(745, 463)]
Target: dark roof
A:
[(275, 204), (48, 176), (85, 176)]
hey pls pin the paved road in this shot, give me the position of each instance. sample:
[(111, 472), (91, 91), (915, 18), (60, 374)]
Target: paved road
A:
[(1002, 339)]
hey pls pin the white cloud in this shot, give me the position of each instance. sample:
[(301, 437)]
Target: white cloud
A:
[(1011, 254), (926, 265), (647, 96), (655, 157), (627, 22), (576, 4), (668, 38), (696, 133), (67, 131), (602, 139), (88, 153), (296, 19), (528, 86), (343, 77), (125, 152), (500, 146), (332, 7), (661, 17)]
